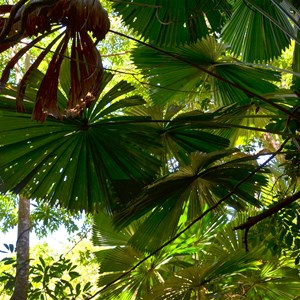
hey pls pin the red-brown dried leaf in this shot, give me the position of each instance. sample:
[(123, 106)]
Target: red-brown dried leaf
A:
[(10, 65), (47, 94), (86, 71), (33, 67), (79, 17)]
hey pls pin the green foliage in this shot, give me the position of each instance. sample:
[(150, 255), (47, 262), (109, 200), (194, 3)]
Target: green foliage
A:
[(169, 197), (6, 263), (285, 240), (180, 74), (56, 281), (157, 163), (254, 20), (78, 140), (49, 278), (207, 260), (45, 219), (8, 211)]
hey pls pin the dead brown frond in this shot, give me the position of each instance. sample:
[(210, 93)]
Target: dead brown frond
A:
[(36, 20)]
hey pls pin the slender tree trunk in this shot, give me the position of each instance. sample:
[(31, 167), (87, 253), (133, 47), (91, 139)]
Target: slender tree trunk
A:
[(22, 268), (22, 246)]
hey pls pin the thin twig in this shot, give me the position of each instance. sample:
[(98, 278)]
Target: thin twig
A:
[(79, 241)]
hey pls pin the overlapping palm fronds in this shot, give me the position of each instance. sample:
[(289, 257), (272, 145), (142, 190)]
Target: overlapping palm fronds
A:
[(99, 158), (206, 180), (121, 251), (225, 271), (208, 260)]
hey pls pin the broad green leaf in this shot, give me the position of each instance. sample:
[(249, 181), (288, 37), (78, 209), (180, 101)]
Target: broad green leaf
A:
[(104, 233)]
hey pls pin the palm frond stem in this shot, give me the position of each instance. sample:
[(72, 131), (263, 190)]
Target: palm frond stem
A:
[(285, 12), (264, 66), (213, 125)]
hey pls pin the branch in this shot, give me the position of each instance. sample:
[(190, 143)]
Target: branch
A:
[(269, 212)]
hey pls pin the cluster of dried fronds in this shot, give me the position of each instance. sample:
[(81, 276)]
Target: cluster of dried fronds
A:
[(73, 21)]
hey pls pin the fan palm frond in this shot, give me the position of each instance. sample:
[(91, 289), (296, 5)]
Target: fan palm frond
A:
[(182, 132), (204, 182), (194, 281), (84, 162), (166, 23), (226, 270), (257, 30), (118, 256), (183, 73)]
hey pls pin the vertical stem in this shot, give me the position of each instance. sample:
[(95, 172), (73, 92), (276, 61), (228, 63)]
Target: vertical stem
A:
[(296, 62), (22, 268)]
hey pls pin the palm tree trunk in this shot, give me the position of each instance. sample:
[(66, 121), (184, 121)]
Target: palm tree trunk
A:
[(22, 268)]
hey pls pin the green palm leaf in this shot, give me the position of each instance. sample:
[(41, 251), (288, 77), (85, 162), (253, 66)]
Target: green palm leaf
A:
[(113, 152), (118, 256), (181, 76), (106, 235), (194, 280), (253, 34), (226, 270), (202, 183), (169, 23), (182, 133), (272, 282)]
